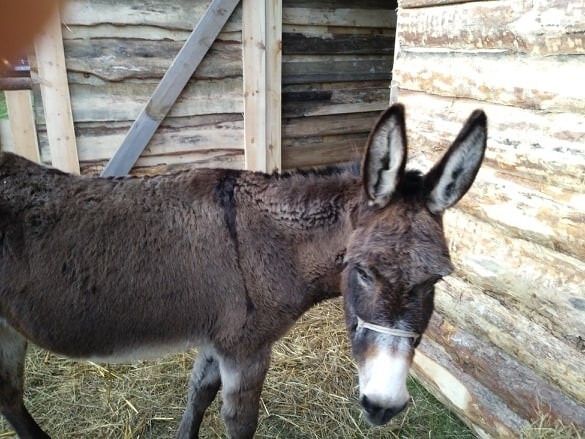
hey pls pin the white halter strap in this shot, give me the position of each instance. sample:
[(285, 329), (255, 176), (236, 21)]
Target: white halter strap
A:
[(387, 331)]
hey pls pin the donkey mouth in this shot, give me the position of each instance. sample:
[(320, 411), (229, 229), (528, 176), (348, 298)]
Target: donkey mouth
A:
[(377, 415)]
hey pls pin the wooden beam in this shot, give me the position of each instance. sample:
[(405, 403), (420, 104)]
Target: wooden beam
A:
[(170, 87), (55, 94), (15, 83), (22, 124), (262, 41)]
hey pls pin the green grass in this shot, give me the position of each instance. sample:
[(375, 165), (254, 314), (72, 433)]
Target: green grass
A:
[(3, 110)]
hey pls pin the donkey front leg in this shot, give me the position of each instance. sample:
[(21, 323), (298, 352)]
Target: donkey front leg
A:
[(203, 386), (242, 379), (12, 353)]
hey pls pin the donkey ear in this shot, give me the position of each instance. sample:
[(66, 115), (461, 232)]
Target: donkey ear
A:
[(385, 156), (452, 177)]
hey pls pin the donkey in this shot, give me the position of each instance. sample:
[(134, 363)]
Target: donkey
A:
[(119, 269)]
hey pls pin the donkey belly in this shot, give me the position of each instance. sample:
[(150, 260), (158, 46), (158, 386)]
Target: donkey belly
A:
[(113, 309), (103, 331)]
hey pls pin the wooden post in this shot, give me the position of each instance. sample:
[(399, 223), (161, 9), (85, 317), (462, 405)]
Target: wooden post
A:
[(55, 93), (262, 41), (170, 87), (22, 124)]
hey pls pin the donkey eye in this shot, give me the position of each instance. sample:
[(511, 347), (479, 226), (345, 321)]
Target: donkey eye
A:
[(364, 274)]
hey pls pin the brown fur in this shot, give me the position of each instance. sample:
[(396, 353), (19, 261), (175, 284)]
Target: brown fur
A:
[(228, 260)]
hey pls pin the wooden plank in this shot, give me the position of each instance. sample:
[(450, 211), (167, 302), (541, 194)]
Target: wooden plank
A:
[(274, 86), (212, 158), (118, 59), (337, 31), (52, 74), (171, 86), (22, 124), (299, 69), (344, 4), (97, 142), (512, 381), (123, 101), (156, 165), (302, 100), (294, 43), (406, 4), (355, 16), (329, 125), (494, 77), (511, 26), (178, 15), (262, 44), (15, 84), (145, 32), (323, 150), (558, 359)]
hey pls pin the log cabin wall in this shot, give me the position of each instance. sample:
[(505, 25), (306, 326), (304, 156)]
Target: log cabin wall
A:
[(337, 63), (506, 346)]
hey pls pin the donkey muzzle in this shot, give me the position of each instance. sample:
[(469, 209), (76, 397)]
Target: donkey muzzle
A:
[(377, 415)]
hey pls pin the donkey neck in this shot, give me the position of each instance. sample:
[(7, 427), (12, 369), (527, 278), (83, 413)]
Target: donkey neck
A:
[(311, 211)]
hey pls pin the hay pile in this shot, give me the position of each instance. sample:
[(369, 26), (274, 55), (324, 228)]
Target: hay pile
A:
[(310, 392)]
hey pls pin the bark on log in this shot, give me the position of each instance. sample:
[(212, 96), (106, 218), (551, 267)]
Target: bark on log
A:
[(526, 393), (540, 28), (499, 321)]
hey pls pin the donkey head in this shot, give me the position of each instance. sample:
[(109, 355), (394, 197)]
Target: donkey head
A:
[(397, 252)]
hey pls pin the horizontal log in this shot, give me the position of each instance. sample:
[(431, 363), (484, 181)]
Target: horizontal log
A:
[(527, 213), (123, 101), (328, 125), (541, 148), (555, 27), (525, 392), (339, 44), (475, 404), (498, 321), (122, 59), (538, 282), (494, 77), (521, 211), (323, 150), (175, 137), (530, 184), (181, 14)]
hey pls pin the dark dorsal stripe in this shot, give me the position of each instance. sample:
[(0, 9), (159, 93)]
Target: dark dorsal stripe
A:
[(224, 193)]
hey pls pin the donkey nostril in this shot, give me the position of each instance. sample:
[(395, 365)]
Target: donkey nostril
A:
[(378, 415), (367, 405)]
